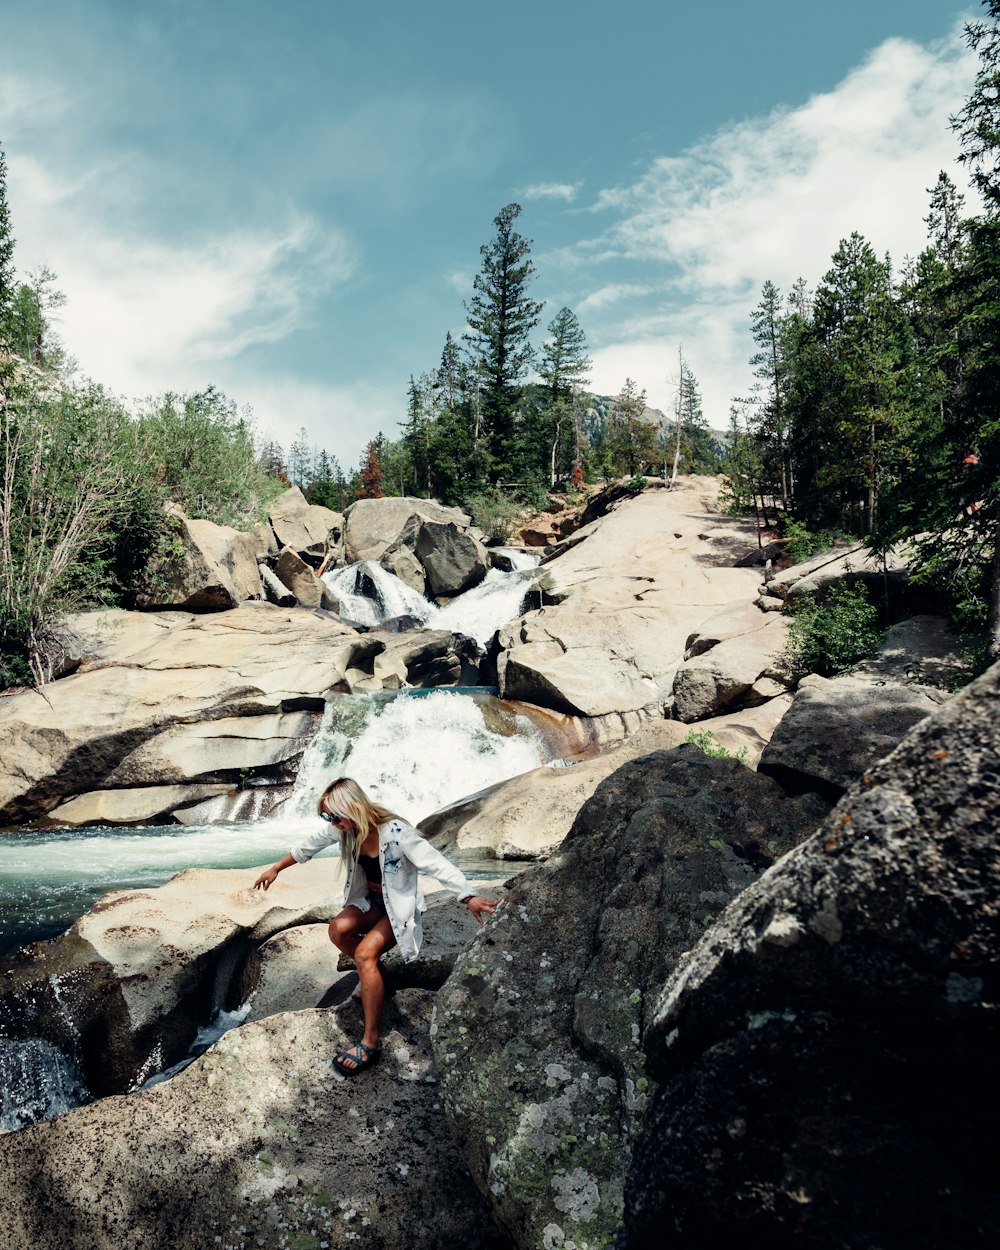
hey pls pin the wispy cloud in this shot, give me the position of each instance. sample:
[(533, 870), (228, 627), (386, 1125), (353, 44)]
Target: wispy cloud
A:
[(770, 198), (552, 191), (611, 294)]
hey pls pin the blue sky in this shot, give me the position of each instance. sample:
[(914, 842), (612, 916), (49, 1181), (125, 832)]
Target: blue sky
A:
[(288, 201)]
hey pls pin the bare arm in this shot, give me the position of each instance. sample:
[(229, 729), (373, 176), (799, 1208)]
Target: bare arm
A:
[(266, 878)]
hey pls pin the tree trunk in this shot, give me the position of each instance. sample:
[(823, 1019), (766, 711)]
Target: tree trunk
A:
[(993, 642), (680, 412)]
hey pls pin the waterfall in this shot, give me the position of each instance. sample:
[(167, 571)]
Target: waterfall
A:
[(37, 1082), (369, 595), (415, 754)]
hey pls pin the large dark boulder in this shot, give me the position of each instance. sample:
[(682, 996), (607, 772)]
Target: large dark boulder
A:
[(828, 1051), (536, 1032), (453, 559)]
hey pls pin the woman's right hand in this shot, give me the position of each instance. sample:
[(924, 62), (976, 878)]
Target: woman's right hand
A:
[(266, 879)]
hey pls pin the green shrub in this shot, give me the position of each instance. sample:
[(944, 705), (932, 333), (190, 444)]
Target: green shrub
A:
[(494, 511), (707, 742), (831, 636), (803, 543), (636, 484)]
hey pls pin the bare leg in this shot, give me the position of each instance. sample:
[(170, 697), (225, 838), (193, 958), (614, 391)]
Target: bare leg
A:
[(364, 937)]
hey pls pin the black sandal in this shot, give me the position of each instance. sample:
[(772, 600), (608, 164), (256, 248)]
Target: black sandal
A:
[(361, 1056)]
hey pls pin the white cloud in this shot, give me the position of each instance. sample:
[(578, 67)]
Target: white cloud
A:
[(611, 294), (552, 191), (770, 198), (146, 314)]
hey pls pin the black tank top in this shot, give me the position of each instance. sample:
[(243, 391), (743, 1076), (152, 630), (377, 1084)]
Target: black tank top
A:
[(372, 868)]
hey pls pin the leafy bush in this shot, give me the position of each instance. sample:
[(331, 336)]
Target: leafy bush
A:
[(636, 484), (82, 488), (830, 637), (707, 742), (803, 543), (494, 511), (200, 453), (70, 469)]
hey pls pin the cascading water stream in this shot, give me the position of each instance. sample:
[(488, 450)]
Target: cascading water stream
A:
[(414, 753), (369, 595)]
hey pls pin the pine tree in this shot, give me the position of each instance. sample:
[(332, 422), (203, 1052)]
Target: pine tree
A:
[(7, 283), (629, 439), (564, 370), (978, 406), (501, 315), (370, 474)]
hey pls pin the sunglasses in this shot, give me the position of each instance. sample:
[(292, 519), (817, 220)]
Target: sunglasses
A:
[(332, 818)]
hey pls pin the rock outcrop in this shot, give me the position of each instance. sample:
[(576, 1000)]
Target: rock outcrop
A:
[(836, 728), (623, 594), (828, 1050), (172, 698), (536, 1033), (733, 658), (306, 528), (209, 567), (258, 1142), (124, 991), (528, 816)]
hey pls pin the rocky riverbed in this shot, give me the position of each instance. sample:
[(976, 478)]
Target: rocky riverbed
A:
[(713, 1007)]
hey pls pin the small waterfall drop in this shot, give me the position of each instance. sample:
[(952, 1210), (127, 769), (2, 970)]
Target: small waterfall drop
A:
[(369, 595), (37, 1082), (414, 753)]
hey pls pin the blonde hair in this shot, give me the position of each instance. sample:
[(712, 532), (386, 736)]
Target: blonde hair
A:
[(346, 798)]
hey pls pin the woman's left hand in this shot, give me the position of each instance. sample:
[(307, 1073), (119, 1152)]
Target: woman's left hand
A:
[(480, 907)]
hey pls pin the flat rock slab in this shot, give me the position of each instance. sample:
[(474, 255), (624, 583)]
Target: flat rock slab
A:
[(537, 1030), (260, 1138), (142, 678), (828, 1050), (624, 593)]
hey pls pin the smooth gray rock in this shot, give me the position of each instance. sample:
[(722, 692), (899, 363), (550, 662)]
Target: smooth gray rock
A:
[(303, 526), (536, 1033), (828, 1050), (214, 568), (372, 526), (837, 728)]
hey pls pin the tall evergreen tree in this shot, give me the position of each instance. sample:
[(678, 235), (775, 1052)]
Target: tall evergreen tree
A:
[(978, 407), (564, 370), (629, 439), (851, 425), (7, 283), (767, 322), (501, 316)]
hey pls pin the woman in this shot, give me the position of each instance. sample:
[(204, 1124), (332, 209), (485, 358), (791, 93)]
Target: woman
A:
[(382, 897)]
